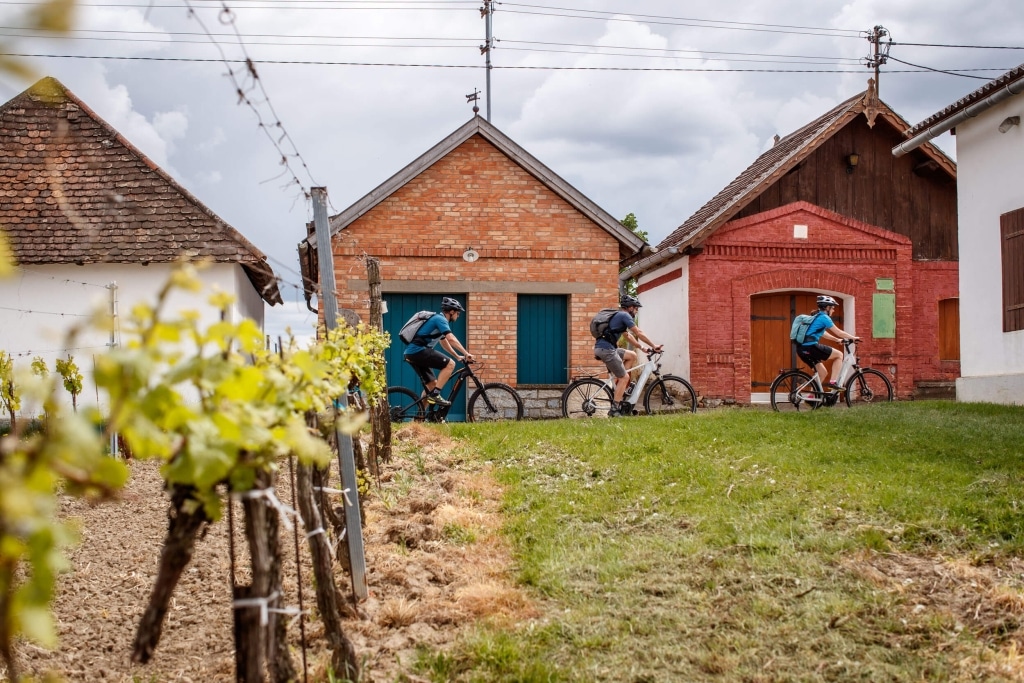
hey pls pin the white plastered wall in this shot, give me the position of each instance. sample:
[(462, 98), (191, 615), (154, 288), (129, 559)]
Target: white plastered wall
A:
[(990, 166), (665, 316), (40, 304)]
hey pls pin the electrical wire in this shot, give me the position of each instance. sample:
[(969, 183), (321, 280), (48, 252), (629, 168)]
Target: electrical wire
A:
[(941, 71), (476, 66), (965, 47), (692, 23)]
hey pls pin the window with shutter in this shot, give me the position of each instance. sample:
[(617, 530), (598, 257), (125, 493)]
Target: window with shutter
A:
[(949, 329), (1011, 227)]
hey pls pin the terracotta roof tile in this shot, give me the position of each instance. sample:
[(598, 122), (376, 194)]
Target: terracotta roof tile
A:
[(984, 91), (78, 192)]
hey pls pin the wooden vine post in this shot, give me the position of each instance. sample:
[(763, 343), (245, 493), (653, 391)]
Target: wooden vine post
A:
[(380, 417)]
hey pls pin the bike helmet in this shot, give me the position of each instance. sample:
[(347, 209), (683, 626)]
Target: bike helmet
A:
[(450, 304), (825, 300), (628, 301)]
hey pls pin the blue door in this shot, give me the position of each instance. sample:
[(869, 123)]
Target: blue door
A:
[(542, 339), (401, 307)]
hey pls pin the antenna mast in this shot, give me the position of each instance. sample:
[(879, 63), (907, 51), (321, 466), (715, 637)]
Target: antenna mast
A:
[(487, 12)]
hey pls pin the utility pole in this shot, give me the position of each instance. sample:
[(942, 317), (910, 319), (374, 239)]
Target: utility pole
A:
[(878, 55), (114, 451), (487, 12)]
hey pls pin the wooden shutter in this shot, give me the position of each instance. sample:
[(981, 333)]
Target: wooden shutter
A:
[(949, 329), (1011, 226)]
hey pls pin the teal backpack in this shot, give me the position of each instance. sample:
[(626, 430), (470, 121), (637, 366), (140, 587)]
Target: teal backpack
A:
[(801, 323)]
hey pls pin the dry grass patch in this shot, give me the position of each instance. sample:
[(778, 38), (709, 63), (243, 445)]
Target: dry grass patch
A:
[(986, 599)]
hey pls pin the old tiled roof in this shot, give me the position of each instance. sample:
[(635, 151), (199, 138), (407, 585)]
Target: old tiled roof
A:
[(75, 191), (981, 93), (768, 168)]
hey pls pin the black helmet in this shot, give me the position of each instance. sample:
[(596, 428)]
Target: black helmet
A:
[(628, 301), (825, 300), (450, 304)]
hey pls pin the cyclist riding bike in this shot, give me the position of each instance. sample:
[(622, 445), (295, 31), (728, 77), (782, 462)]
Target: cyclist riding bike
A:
[(619, 361), (816, 354), (424, 359)]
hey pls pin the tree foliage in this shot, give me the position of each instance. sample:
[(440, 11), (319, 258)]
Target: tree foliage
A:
[(631, 222)]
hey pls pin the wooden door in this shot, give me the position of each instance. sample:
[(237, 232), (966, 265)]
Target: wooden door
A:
[(771, 316), (401, 307)]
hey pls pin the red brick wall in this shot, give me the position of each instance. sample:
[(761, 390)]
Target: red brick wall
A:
[(477, 197), (759, 254)]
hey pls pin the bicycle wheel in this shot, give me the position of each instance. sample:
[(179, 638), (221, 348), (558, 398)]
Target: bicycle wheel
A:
[(670, 394), (494, 402), (404, 405), (792, 391), (868, 386), (586, 397)]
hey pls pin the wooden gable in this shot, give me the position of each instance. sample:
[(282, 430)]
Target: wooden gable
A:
[(912, 195)]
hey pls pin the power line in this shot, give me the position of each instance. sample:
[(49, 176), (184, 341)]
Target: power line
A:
[(966, 47), (681, 21), (660, 49), (298, 62), (34, 312), (942, 71)]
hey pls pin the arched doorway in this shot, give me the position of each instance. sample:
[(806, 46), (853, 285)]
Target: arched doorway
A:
[(771, 316)]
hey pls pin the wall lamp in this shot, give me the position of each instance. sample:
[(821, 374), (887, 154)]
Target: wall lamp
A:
[(852, 160)]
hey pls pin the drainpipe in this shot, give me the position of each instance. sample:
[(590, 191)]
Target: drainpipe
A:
[(938, 129), (660, 257)]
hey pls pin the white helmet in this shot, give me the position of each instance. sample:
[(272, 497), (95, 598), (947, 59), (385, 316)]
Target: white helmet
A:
[(825, 300)]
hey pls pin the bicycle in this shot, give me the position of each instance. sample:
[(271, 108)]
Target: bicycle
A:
[(491, 402), (796, 390), (592, 397)]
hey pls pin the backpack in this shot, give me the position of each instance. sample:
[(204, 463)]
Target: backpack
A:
[(801, 323), (599, 323), (408, 332)]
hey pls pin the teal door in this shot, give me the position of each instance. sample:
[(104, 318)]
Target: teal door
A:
[(542, 339), (401, 307)]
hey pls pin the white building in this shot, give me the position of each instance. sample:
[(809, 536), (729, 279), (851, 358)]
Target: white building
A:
[(990, 156), (92, 223)]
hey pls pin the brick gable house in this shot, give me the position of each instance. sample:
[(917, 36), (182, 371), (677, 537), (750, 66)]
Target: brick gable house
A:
[(826, 210), (479, 218), (91, 221)]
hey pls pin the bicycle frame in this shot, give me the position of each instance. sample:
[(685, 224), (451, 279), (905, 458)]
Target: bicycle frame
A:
[(849, 363), (648, 368)]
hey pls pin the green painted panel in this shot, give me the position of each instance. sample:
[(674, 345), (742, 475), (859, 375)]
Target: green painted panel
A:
[(884, 284), (883, 316), (542, 339), (401, 307)]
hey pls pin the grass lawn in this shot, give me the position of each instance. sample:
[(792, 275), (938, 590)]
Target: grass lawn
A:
[(881, 544)]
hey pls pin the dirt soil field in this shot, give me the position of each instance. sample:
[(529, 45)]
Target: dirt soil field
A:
[(435, 567)]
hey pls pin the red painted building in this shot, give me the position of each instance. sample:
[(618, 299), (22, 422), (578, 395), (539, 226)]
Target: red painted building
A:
[(827, 210)]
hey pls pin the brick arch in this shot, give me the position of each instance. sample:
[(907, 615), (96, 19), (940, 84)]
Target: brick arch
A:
[(795, 279), (745, 287)]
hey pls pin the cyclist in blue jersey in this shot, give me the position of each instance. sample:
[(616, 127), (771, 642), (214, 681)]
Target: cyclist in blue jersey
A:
[(814, 353), (424, 359)]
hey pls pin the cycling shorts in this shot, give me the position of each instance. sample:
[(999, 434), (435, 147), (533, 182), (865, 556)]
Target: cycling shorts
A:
[(814, 354), (423, 361)]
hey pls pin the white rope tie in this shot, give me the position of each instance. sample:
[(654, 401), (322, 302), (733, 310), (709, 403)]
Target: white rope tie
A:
[(262, 603), (343, 492), (283, 511)]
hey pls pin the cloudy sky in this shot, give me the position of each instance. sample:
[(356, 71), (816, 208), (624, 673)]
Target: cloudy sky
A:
[(645, 106)]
